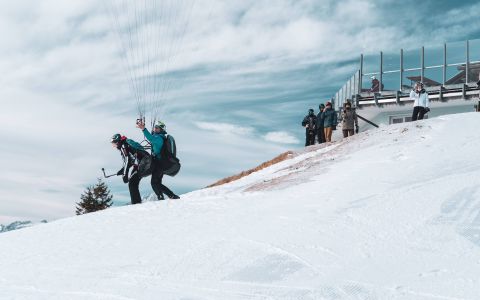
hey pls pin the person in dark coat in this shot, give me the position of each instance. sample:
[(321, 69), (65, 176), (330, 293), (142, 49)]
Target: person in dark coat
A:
[(320, 132), (329, 117), (349, 120), (375, 85), (132, 153), (309, 122)]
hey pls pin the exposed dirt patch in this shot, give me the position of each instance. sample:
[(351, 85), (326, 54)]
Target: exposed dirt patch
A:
[(280, 158)]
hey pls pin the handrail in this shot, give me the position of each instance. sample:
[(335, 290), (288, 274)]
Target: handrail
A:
[(368, 121)]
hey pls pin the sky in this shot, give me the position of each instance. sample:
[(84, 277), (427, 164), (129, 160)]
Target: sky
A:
[(238, 83)]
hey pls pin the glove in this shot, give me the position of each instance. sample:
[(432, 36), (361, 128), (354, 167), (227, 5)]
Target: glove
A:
[(125, 179), (334, 127), (356, 129), (120, 172)]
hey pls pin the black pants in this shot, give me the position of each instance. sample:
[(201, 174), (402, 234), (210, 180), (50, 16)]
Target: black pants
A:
[(157, 186), (133, 188), (348, 132), (418, 113), (320, 135), (309, 137)]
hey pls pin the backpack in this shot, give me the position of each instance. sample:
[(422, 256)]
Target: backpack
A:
[(136, 146), (170, 163), (145, 165)]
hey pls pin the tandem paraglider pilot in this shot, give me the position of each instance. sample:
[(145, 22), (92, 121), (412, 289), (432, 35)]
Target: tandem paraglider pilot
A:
[(164, 158)]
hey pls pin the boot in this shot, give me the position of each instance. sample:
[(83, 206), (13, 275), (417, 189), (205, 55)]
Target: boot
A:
[(160, 197), (173, 196)]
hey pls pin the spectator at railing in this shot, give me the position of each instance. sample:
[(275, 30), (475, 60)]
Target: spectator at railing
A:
[(329, 117), (420, 104), (320, 131), (375, 85), (309, 122), (349, 120)]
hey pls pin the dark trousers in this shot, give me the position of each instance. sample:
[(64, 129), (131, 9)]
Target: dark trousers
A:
[(348, 132), (418, 113), (309, 137), (320, 135), (133, 188), (156, 181)]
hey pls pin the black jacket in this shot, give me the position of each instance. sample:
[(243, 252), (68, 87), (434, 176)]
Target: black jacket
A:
[(310, 122)]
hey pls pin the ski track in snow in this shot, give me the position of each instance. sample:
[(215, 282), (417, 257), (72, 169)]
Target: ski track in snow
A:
[(392, 213)]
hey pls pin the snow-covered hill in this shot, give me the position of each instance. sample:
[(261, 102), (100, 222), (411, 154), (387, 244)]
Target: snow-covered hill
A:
[(392, 213)]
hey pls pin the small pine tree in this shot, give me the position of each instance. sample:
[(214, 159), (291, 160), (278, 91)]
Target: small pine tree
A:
[(94, 198)]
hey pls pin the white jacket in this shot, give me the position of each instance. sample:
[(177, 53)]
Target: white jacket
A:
[(420, 99)]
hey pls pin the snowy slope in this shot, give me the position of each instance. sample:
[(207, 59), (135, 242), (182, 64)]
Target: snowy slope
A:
[(392, 213)]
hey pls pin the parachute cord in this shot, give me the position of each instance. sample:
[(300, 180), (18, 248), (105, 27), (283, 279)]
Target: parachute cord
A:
[(178, 45), (127, 66)]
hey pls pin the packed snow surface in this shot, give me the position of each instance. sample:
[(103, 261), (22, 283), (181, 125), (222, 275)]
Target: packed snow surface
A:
[(392, 213)]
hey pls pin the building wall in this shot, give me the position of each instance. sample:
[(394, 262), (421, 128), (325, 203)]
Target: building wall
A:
[(383, 115)]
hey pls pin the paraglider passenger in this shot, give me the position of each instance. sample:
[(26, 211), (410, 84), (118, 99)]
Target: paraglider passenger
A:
[(157, 139), (132, 153)]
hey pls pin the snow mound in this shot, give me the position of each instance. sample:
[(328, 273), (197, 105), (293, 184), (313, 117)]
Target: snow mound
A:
[(393, 213)]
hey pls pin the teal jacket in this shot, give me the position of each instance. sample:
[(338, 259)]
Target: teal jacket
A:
[(329, 117), (156, 140)]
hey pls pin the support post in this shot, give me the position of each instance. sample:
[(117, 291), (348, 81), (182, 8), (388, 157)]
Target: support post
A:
[(444, 80), (467, 63), (359, 82), (360, 78), (422, 63), (381, 72), (401, 70)]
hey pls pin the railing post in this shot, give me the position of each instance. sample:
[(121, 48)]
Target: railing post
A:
[(401, 70), (349, 86), (381, 72), (360, 79), (467, 63), (444, 64), (422, 62), (359, 82)]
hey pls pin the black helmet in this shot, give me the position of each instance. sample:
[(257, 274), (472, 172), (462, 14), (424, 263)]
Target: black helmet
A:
[(116, 138), (311, 111)]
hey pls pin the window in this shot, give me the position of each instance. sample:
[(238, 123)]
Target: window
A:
[(402, 119), (396, 120)]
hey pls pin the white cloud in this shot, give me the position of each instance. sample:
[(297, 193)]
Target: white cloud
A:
[(281, 137), (225, 128)]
